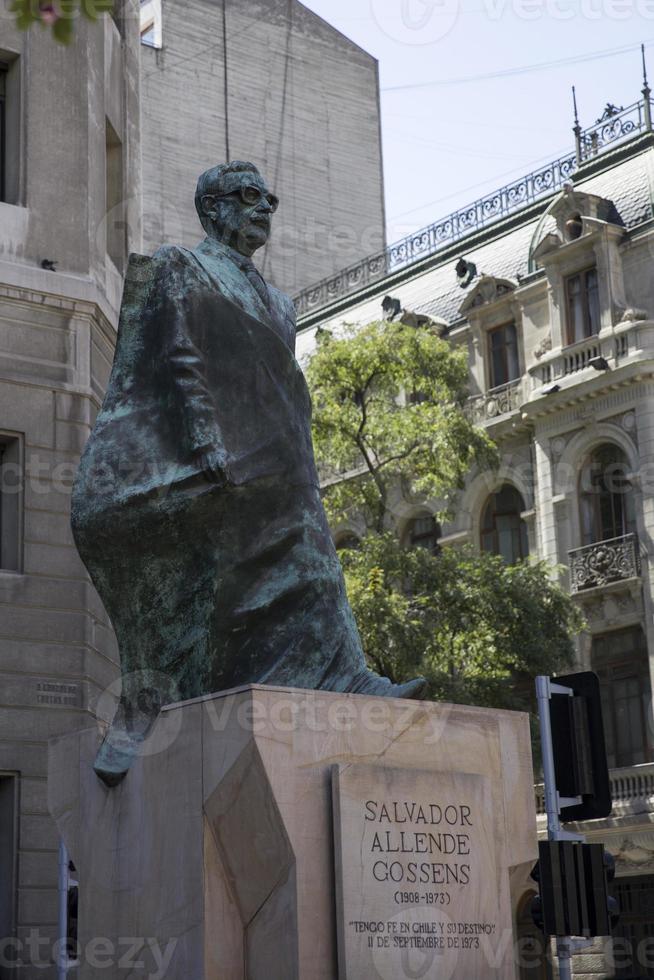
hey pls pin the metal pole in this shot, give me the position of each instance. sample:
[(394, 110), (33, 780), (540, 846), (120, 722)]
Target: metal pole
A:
[(576, 129), (547, 750), (647, 105), (552, 804), (62, 958), (564, 955)]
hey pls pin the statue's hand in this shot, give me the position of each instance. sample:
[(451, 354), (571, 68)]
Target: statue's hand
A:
[(215, 465)]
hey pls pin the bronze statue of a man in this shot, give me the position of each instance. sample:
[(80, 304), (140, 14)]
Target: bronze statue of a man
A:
[(196, 508)]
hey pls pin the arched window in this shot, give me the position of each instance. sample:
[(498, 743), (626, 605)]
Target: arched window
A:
[(605, 496), (503, 532), (423, 532)]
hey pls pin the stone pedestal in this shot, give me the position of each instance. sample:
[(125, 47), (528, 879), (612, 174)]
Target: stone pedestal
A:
[(222, 857)]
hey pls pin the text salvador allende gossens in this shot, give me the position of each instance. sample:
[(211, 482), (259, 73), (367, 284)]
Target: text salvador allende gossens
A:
[(440, 849)]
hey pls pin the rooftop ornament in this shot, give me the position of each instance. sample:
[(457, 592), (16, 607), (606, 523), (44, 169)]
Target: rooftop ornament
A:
[(465, 272)]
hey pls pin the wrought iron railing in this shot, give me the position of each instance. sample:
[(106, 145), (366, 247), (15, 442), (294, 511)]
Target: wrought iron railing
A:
[(630, 785), (604, 562), (620, 125), (496, 402), (615, 125)]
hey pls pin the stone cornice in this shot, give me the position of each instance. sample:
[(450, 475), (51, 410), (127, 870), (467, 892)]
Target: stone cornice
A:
[(558, 405), (59, 292)]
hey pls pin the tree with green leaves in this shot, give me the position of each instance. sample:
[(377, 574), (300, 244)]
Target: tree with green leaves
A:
[(390, 421), (389, 406), (59, 15), (478, 629)]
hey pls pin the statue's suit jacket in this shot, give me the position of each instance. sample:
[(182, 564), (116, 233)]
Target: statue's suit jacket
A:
[(212, 586)]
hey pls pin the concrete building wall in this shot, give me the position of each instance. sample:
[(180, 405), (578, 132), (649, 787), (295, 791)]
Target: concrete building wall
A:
[(77, 125), (302, 105), (57, 334)]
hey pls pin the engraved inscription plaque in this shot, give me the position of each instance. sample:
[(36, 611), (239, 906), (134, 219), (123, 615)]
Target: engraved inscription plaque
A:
[(417, 883)]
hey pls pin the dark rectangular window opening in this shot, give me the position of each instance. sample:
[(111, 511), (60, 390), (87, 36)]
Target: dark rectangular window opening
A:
[(620, 660), (503, 350), (11, 498), (10, 127), (4, 69), (116, 224), (118, 15), (636, 926), (582, 305), (8, 867)]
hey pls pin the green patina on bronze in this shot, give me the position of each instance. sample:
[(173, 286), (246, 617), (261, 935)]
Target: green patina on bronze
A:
[(196, 507)]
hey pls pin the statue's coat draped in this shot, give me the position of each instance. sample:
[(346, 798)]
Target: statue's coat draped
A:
[(212, 585)]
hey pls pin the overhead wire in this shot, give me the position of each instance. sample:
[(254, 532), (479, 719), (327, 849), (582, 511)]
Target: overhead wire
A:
[(542, 161), (225, 81), (283, 110), (519, 70)]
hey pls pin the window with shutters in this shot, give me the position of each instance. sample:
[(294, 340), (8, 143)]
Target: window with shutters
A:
[(503, 355), (582, 305), (503, 530), (606, 498)]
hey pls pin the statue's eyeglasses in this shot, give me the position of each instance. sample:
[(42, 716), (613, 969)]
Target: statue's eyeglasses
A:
[(252, 195)]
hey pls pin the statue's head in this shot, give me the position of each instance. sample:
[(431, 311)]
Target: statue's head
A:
[(235, 206)]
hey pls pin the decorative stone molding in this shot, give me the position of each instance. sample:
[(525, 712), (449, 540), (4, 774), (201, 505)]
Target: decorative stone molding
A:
[(488, 290), (543, 348), (577, 215), (497, 402), (635, 854), (620, 604), (631, 315)]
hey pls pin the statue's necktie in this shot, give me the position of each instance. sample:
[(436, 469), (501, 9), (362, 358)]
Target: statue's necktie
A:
[(258, 282)]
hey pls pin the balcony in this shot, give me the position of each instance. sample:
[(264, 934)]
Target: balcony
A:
[(632, 789), (569, 360), (496, 402), (606, 561)]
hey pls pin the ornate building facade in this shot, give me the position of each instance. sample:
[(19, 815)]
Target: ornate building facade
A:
[(548, 284)]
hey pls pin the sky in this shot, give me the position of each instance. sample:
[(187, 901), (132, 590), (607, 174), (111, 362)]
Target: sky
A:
[(475, 93)]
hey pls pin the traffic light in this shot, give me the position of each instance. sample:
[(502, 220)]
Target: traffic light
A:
[(573, 881), (579, 750)]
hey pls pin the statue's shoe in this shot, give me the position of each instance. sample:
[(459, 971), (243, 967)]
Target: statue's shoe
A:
[(415, 689), (123, 742), (368, 682), (116, 755)]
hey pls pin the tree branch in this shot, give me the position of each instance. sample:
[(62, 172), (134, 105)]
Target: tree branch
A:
[(404, 455)]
